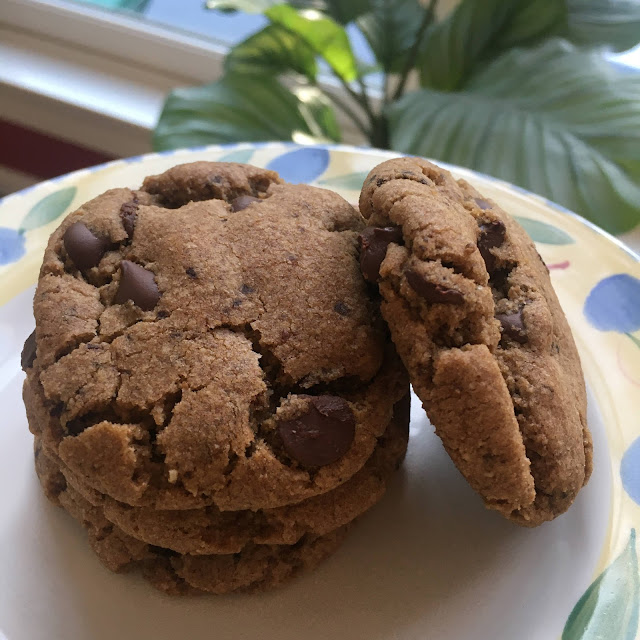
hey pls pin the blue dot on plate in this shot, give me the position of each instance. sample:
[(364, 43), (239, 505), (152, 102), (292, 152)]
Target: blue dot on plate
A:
[(11, 245), (614, 304), (630, 471), (302, 165)]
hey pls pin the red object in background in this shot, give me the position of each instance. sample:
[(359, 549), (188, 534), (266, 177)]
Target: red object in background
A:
[(41, 155)]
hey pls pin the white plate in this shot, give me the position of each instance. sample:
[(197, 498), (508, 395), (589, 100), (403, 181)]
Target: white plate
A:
[(428, 562)]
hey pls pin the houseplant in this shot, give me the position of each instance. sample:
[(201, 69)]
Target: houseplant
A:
[(518, 89)]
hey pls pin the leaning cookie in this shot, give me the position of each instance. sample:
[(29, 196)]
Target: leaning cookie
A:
[(194, 337), (475, 319)]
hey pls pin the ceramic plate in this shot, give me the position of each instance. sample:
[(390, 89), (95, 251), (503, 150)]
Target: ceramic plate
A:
[(429, 561)]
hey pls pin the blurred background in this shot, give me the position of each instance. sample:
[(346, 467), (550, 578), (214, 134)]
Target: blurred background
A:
[(543, 93)]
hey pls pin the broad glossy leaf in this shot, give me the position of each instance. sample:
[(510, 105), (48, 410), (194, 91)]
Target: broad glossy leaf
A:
[(322, 34), (390, 28), (610, 22), (273, 50), (242, 108), (609, 607), (554, 119), (477, 31), (344, 11), (48, 209)]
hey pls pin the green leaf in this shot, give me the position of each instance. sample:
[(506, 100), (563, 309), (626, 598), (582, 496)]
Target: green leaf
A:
[(240, 107), (322, 34), (609, 607), (48, 209), (608, 22), (556, 120), (390, 28), (477, 31), (350, 181), (544, 233), (273, 50), (342, 11)]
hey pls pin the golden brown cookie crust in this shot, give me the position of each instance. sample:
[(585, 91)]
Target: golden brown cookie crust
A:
[(476, 321)]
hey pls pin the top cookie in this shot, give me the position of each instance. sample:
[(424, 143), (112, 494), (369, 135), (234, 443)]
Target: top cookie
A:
[(208, 339), (476, 321)]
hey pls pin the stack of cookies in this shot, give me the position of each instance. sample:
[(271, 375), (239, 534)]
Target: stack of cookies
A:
[(212, 391), (213, 382)]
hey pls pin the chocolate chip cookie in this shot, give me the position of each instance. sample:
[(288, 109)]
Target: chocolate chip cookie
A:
[(209, 375), (475, 319), (213, 320)]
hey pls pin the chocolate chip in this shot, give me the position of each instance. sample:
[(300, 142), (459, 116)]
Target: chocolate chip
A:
[(83, 247), (191, 272), (373, 249), (322, 435), (162, 314), (94, 346), (138, 285), (431, 292), (28, 352), (128, 215), (513, 326), (242, 202), (246, 289), (341, 308), (483, 204), (491, 235)]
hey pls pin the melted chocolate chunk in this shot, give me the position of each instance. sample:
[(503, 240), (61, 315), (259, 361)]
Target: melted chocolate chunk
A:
[(83, 247), (491, 235), (242, 202), (322, 435), (431, 292), (129, 215), (373, 249), (28, 352), (138, 285), (513, 326)]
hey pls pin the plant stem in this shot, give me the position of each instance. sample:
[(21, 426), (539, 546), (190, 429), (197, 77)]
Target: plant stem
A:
[(342, 104), (365, 96), (427, 19)]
